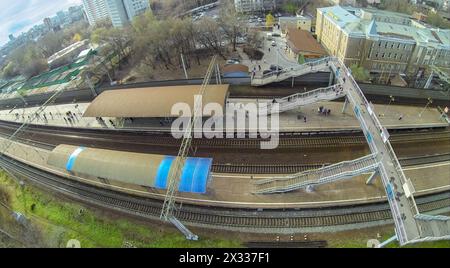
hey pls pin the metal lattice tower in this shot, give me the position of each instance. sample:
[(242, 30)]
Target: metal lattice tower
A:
[(175, 171)]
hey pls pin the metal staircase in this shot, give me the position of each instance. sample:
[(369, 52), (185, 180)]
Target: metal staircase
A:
[(301, 99), (433, 227), (410, 225), (278, 76), (332, 173)]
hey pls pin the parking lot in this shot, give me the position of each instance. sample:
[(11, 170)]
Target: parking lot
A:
[(274, 48)]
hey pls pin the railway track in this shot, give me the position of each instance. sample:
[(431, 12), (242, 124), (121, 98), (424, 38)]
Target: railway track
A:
[(248, 220), (271, 168), (296, 168), (288, 140), (291, 244)]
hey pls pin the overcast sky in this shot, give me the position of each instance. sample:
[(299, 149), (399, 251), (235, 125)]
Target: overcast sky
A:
[(18, 16)]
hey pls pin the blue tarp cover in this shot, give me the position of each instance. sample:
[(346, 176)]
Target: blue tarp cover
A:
[(73, 157), (194, 177)]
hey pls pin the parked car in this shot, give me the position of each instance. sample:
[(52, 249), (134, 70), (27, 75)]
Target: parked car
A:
[(274, 44), (232, 61), (271, 72), (274, 67), (241, 40)]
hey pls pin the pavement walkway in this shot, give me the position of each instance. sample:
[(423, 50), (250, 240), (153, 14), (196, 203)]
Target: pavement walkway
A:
[(288, 121), (273, 55), (235, 190)]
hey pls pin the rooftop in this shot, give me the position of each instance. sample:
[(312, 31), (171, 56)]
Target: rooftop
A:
[(231, 68), (355, 23), (303, 41), (151, 102)]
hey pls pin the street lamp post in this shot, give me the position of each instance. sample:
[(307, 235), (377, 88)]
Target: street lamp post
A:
[(430, 101), (391, 99)]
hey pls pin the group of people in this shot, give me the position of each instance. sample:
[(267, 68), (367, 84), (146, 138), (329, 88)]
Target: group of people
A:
[(324, 111), (338, 89), (71, 118)]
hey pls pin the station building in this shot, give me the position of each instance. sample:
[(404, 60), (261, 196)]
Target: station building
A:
[(303, 46), (382, 41)]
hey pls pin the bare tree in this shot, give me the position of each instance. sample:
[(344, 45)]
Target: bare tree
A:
[(209, 36), (229, 22)]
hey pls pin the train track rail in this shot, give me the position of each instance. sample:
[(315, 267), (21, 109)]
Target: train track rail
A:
[(289, 140), (290, 244), (296, 168), (269, 168), (248, 220)]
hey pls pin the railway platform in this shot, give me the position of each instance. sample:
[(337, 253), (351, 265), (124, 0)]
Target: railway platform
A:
[(235, 190), (391, 116)]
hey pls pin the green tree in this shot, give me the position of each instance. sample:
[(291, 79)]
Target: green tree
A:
[(402, 6), (29, 60), (437, 20), (9, 71), (150, 41), (270, 20), (359, 73), (118, 38), (51, 43), (290, 8)]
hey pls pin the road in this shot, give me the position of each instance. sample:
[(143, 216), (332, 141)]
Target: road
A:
[(273, 55)]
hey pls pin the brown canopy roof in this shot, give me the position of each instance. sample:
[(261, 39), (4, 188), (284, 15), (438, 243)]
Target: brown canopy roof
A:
[(151, 101), (231, 68), (303, 41)]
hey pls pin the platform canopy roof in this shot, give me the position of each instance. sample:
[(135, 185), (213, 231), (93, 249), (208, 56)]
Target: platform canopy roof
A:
[(151, 102)]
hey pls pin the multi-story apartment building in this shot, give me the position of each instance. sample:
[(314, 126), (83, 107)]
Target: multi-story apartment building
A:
[(123, 11), (299, 22), (120, 12), (117, 13), (95, 10), (136, 7), (254, 6), (76, 13), (382, 41)]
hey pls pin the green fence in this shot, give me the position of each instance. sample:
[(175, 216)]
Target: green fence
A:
[(41, 80)]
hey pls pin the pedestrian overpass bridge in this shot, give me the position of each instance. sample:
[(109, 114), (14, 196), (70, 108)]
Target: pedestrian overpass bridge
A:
[(410, 225), (301, 99), (282, 75)]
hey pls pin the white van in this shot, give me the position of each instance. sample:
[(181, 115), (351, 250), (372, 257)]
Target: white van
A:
[(269, 36)]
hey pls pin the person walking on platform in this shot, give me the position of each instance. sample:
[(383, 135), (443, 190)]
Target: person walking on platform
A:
[(304, 119), (328, 112)]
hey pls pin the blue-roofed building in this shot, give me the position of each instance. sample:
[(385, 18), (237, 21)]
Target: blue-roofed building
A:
[(382, 41)]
